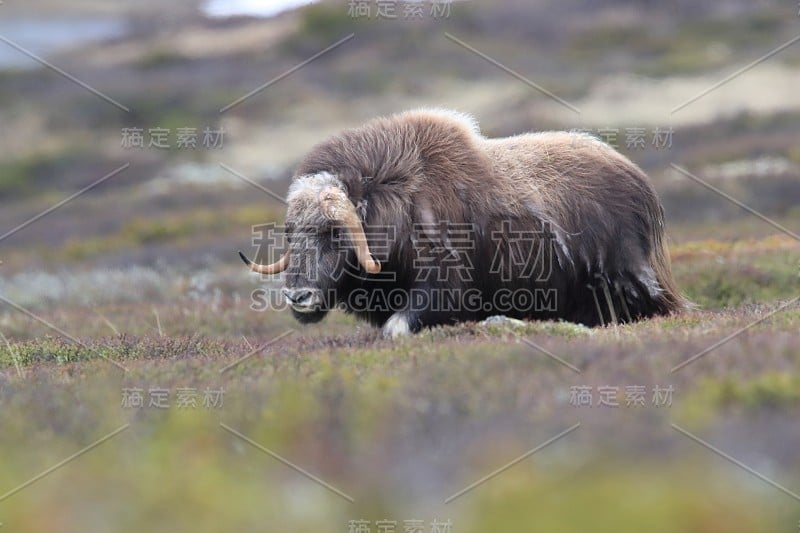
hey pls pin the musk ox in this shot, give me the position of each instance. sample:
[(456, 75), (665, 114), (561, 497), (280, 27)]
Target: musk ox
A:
[(417, 219)]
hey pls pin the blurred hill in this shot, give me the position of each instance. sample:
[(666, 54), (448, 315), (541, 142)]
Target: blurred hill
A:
[(626, 66)]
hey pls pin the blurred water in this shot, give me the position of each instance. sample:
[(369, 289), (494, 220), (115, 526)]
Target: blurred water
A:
[(43, 36), (254, 8)]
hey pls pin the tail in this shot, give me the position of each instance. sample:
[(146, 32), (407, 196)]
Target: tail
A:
[(672, 300)]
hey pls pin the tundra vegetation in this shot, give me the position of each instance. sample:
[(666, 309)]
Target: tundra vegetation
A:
[(136, 286)]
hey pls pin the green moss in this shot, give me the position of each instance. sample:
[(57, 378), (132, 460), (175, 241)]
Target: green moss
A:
[(715, 283), (21, 176), (160, 57), (770, 391), (327, 21), (176, 228), (694, 47), (505, 327), (592, 43), (611, 497), (679, 322)]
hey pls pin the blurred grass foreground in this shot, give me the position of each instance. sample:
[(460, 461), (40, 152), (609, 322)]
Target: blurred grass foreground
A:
[(140, 391)]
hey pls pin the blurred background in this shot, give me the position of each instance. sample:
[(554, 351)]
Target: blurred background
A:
[(621, 68), (176, 116)]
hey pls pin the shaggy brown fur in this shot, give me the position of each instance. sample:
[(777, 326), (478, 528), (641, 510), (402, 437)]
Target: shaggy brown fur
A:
[(591, 205)]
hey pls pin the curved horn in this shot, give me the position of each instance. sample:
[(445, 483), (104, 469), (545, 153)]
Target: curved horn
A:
[(274, 268), (336, 206)]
